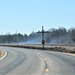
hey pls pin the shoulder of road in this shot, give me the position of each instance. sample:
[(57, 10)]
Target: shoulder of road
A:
[(3, 54), (68, 49)]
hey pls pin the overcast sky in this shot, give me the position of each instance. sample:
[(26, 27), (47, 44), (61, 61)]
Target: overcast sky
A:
[(25, 15)]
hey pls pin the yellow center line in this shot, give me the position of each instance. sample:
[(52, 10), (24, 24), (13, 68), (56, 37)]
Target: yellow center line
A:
[(41, 55), (47, 62), (46, 69), (45, 58)]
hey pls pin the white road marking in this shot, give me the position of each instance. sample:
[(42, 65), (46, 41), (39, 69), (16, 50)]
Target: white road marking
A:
[(70, 54), (4, 55)]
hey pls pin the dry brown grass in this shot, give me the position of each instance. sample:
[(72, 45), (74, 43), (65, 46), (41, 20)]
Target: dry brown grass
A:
[(2, 53), (59, 47)]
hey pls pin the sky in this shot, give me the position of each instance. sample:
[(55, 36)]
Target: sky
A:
[(24, 16)]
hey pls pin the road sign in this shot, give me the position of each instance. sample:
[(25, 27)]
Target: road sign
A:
[(43, 41)]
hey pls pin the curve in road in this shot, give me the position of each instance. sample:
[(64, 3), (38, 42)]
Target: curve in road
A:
[(28, 61)]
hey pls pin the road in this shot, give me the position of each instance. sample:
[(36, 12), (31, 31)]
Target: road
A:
[(20, 61)]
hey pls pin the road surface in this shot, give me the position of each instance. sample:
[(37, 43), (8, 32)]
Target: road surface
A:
[(20, 61)]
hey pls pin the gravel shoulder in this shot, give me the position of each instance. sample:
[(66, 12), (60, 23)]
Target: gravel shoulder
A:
[(2, 53)]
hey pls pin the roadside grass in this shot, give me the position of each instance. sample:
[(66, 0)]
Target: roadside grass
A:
[(59, 48), (2, 53)]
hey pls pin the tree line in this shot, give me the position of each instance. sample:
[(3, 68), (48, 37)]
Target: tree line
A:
[(60, 35)]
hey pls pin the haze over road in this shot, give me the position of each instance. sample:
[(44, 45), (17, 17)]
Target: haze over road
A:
[(20, 61)]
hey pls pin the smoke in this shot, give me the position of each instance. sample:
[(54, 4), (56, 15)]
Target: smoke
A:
[(33, 40), (55, 36), (66, 39)]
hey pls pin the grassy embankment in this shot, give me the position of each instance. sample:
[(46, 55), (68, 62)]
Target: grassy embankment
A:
[(59, 48)]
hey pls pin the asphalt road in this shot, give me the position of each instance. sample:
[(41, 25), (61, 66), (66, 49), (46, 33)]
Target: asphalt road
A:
[(20, 61)]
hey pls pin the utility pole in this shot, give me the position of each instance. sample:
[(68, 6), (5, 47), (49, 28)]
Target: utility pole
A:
[(43, 40)]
